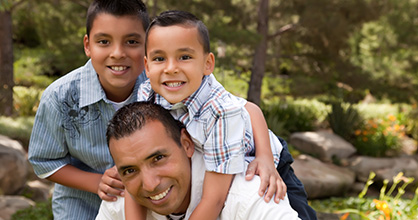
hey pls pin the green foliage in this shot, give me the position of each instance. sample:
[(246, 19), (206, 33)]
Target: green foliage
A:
[(387, 206), (379, 137), (289, 116), (18, 128), (412, 122), (41, 211), (26, 100), (344, 120)]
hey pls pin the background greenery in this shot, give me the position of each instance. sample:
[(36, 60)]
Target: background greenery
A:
[(349, 66)]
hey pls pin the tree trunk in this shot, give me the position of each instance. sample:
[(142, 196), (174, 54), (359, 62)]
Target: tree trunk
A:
[(6, 63), (259, 66)]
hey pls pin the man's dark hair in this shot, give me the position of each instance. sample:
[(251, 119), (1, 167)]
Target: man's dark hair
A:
[(174, 17), (117, 8), (132, 117)]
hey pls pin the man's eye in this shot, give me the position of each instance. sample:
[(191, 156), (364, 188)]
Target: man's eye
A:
[(158, 158), (185, 57), (128, 171)]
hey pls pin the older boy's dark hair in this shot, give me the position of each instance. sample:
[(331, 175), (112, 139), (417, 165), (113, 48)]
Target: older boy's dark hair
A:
[(174, 17), (132, 117), (117, 8)]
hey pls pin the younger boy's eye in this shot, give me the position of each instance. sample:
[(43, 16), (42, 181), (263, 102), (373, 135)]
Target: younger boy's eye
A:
[(132, 42), (158, 59), (185, 57)]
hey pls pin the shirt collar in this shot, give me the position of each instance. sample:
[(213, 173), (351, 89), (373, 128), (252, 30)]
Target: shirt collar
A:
[(195, 101), (91, 91)]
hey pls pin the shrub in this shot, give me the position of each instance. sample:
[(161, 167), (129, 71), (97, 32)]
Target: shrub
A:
[(41, 211), (412, 122), (26, 100), (379, 137), (344, 120), (18, 128)]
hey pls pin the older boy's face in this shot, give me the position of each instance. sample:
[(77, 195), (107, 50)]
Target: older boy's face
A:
[(155, 170), (116, 49), (176, 62)]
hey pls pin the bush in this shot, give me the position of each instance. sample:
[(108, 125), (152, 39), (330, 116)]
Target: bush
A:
[(26, 100), (17, 128), (293, 116), (379, 137), (412, 122), (344, 120)]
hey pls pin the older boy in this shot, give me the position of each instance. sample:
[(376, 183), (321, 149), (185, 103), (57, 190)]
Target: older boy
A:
[(165, 174), (68, 144), (179, 64)]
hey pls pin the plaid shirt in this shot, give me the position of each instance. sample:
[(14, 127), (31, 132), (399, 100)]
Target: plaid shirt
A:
[(219, 124)]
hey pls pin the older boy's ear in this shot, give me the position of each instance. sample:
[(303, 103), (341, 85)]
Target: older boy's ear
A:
[(146, 65), (187, 143), (86, 45), (210, 64)]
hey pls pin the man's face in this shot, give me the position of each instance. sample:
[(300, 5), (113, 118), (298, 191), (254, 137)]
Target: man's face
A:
[(154, 169), (176, 61), (116, 49)]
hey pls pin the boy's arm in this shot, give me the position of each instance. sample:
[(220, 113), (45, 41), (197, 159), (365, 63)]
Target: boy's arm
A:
[(263, 164), (134, 211), (215, 191)]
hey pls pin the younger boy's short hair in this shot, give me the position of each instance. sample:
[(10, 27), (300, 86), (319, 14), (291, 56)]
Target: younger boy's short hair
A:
[(117, 8), (174, 17)]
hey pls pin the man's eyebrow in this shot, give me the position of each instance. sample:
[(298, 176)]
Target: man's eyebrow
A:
[(155, 153)]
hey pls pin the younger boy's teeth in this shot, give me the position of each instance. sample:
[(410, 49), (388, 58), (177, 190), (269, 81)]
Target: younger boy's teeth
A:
[(118, 68), (174, 84)]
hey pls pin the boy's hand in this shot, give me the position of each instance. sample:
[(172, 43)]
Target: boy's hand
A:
[(110, 185), (269, 178)]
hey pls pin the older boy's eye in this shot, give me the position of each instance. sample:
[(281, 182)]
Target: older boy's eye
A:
[(185, 57), (103, 42), (132, 42)]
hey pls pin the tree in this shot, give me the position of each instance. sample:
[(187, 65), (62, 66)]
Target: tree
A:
[(6, 60)]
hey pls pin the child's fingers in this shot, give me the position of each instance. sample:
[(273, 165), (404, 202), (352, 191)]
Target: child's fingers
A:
[(263, 186), (249, 174), (272, 188), (281, 191)]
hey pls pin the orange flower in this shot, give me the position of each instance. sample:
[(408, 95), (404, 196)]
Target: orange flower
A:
[(365, 139), (357, 132), (384, 207), (345, 216), (391, 118)]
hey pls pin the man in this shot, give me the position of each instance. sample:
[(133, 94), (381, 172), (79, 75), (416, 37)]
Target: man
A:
[(158, 164)]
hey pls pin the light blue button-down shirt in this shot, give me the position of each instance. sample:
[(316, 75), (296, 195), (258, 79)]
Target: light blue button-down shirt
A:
[(70, 127)]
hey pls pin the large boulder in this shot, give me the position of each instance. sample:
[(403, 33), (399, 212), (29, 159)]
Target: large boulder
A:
[(322, 144), (13, 166), (322, 180)]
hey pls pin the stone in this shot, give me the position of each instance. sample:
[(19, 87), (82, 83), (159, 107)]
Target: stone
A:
[(10, 204), (324, 145), (13, 166), (322, 180)]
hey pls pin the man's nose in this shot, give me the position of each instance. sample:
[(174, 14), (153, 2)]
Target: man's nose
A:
[(150, 180), (118, 51)]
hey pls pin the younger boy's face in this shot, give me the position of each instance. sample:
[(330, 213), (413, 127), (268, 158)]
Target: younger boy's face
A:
[(176, 61), (116, 49)]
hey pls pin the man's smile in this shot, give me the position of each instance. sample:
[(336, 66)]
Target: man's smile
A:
[(161, 195)]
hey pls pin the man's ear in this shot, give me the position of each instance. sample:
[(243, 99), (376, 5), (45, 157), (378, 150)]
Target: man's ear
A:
[(209, 64), (187, 143), (86, 45)]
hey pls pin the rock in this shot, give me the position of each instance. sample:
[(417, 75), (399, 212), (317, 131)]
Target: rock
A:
[(322, 180), (10, 204), (322, 144), (13, 166), (385, 168)]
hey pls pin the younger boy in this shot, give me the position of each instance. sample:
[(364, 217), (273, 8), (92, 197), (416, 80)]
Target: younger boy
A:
[(68, 144), (179, 65)]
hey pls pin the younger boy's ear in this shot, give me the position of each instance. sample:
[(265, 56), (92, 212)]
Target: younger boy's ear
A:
[(146, 66), (210, 64), (187, 143), (86, 45)]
